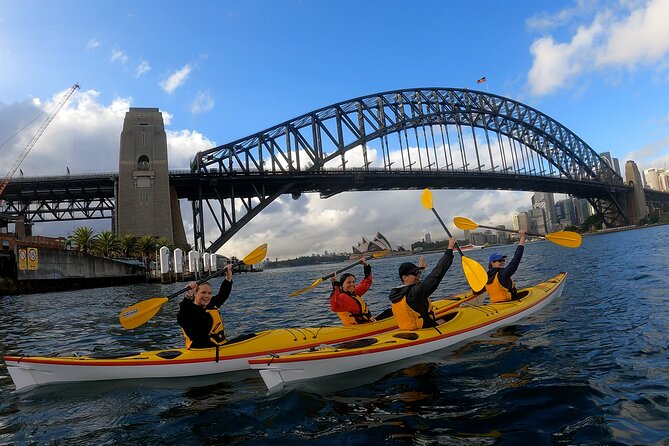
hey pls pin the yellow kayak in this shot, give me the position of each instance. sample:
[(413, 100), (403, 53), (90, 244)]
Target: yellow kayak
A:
[(458, 324), (29, 371)]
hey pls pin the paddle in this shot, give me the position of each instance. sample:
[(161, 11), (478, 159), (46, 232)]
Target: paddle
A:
[(568, 239), (476, 275), (318, 281), (138, 314)]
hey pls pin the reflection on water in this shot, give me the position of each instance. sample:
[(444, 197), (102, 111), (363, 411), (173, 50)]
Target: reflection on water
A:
[(589, 369)]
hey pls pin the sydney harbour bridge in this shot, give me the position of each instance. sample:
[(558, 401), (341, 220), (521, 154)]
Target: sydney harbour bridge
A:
[(442, 138)]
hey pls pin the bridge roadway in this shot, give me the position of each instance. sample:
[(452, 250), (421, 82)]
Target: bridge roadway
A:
[(78, 197)]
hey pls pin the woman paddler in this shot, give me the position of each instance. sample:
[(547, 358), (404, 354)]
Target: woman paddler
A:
[(346, 297), (198, 315)]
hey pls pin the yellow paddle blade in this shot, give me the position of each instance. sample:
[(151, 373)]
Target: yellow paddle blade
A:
[(464, 223), (426, 199), (136, 315), (475, 274), (567, 239), (256, 256), (310, 287)]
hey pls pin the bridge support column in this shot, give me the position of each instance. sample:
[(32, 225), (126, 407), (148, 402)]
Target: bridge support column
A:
[(635, 201), (145, 203)]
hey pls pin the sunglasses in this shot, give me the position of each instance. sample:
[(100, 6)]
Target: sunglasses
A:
[(417, 273)]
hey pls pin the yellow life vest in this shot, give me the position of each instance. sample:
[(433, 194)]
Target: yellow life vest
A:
[(348, 318), (497, 291), (407, 318), (216, 327)]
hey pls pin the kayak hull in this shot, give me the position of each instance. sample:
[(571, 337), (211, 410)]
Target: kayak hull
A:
[(463, 323), (30, 371)]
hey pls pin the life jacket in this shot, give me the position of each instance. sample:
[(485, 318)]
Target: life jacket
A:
[(409, 319), (498, 292), (362, 317), (216, 328)]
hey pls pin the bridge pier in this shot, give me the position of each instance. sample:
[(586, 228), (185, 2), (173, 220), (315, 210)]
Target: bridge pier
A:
[(634, 201), (145, 202)]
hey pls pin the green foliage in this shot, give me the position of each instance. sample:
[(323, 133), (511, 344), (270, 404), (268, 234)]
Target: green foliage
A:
[(107, 244), (594, 222), (83, 239), (146, 246), (128, 245)]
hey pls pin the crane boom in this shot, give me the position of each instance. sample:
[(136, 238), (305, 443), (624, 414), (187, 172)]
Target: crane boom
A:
[(35, 137)]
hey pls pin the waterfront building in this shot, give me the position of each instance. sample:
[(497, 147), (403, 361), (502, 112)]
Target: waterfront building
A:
[(545, 201), (538, 221), (651, 178), (428, 238), (612, 162), (378, 243), (522, 221)]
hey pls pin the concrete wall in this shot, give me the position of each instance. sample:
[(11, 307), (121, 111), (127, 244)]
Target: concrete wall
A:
[(59, 264)]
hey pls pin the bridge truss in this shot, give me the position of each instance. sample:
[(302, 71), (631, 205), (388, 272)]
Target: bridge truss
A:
[(436, 137)]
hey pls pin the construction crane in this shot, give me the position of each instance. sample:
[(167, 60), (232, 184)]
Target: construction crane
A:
[(33, 141)]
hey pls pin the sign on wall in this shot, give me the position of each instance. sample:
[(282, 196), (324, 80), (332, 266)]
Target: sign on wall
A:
[(32, 259), (23, 259)]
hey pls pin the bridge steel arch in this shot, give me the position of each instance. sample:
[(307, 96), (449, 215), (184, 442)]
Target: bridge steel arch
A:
[(412, 138)]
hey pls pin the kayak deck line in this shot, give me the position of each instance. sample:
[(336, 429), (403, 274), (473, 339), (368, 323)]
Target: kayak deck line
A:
[(346, 352), (463, 323), (31, 371), (146, 360)]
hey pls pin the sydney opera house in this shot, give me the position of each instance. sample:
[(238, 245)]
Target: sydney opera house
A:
[(378, 243)]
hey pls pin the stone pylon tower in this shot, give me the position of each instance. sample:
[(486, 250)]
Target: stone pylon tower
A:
[(145, 203), (636, 205)]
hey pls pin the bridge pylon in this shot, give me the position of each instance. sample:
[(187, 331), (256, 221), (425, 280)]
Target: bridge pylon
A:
[(145, 202)]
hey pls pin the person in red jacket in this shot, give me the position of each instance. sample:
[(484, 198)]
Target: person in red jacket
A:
[(346, 298)]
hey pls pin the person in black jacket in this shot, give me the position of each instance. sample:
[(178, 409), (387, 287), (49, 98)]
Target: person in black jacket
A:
[(198, 315), (411, 303)]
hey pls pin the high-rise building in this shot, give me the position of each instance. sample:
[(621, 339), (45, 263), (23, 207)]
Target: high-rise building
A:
[(522, 221), (428, 238), (583, 210), (651, 178), (612, 162), (545, 201), (566, 212), (664, 181), (538, 221)]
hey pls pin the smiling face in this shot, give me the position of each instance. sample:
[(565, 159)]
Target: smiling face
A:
[(202, 295), (348, 284)]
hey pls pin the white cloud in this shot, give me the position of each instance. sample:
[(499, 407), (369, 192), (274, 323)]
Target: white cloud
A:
[(93, 44), (118, 56), (142, 69), (624, 36), (203, 102), (183, 144), (643, 36), (176, 79)]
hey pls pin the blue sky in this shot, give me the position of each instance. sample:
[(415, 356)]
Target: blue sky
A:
[(222, 70)]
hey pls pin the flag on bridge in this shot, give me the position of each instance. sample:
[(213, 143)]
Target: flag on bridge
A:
[(482, 80)]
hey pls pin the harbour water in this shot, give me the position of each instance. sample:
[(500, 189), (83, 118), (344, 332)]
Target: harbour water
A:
[(591, 368)]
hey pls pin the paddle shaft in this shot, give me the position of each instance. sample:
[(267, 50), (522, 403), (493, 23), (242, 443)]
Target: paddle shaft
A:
[(447, 231), (346, 268), (511, 230), (204, 279)]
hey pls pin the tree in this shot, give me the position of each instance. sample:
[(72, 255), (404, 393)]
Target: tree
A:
[(146, 246), (83, 239), (107, 244), (128, 245)]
